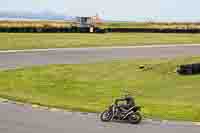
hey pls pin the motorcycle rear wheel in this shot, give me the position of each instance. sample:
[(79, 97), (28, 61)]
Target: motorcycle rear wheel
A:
[(135, 118)]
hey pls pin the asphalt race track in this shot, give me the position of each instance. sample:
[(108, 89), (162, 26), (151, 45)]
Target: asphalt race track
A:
[(26, 119), (12, 59)]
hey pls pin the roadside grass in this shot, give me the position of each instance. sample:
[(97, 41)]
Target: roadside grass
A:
[(18, 41), (158, 25), (35, 24), (92, 87)]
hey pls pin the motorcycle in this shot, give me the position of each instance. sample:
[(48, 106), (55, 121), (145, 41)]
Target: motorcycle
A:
[(114, 112)]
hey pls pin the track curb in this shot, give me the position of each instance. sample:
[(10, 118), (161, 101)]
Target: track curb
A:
[(52, 109), (94, 48)]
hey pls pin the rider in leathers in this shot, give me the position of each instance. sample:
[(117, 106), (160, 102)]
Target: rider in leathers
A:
[(130, 102)]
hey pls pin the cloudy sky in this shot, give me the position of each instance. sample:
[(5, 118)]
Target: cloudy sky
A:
[(179, 10)]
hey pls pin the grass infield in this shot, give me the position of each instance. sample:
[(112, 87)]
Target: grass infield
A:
[(92, 87), (19, 41)]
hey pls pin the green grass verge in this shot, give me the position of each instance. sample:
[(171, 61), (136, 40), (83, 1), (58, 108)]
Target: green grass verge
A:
[(91, 87), (161, 25), (66, 40), (147, 25)]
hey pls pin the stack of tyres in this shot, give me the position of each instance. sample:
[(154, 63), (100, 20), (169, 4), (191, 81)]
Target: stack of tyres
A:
[(98, 30), (189, 69)]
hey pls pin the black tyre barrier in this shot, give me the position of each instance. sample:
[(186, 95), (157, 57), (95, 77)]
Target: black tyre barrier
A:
[(152, 30), (34, 30), (189, 69), (97, 30)]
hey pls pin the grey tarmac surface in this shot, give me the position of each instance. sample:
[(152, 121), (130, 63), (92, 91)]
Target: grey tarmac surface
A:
[(25, 119), (88, 55)]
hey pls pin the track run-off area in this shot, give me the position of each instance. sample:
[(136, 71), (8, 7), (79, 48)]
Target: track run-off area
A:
[(24, 118)]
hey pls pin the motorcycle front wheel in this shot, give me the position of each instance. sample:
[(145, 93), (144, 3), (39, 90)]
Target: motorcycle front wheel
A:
[(106, 116), (135, 118)]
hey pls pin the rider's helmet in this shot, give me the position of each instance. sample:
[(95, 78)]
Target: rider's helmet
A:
[(128, 96)]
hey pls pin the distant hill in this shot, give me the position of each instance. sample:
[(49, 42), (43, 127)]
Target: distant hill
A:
[(37, 16)]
